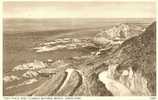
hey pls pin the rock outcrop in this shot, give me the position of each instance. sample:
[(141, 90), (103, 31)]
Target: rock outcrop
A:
[(30, 66), (10, 78), (118, 33)]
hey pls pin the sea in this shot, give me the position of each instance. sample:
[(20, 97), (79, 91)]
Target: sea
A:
[(20, 36)]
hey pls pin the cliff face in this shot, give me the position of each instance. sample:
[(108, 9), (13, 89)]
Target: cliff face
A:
[(141, 48), (137, 58)]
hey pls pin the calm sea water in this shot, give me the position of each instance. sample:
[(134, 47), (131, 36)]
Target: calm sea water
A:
[(21, 35), (30, 25)]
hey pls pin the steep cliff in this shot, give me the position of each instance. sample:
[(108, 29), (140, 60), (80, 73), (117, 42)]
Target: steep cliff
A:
[(136, 62)]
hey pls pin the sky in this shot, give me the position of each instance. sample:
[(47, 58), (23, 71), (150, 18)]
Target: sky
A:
[(102, 9)]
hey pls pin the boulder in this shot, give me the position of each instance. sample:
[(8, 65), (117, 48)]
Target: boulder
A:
[(30, 74), (10, 78)]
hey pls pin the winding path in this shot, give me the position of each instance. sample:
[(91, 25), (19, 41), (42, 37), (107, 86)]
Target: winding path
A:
[(69, 71)]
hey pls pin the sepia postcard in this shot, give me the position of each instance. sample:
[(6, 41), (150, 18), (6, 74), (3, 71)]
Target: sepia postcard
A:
[(75, 50)]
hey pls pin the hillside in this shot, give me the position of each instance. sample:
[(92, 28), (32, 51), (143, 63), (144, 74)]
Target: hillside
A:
[(127, 68), (139, 54), (134, 63)]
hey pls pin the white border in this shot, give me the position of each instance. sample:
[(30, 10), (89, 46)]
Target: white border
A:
[(82, 97), (88, 0)]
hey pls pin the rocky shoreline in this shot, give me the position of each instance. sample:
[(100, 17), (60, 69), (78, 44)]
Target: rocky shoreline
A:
[(108, 70)]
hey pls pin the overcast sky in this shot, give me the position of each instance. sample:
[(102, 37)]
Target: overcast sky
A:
[(79, 9)]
